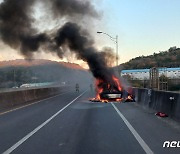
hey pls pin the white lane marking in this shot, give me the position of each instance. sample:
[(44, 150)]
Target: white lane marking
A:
[(33, 103), (133, 131), (16, 145)]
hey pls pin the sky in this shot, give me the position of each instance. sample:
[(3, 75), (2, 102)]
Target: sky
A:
[(143, 27)]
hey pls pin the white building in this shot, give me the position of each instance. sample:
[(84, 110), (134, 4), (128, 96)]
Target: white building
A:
[(144, 73)]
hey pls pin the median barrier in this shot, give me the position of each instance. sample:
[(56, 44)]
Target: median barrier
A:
[(15, 98), (161, 101)]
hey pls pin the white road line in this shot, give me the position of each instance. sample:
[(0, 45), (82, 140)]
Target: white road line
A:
[(33, 103), (16, 145), (133, 131)]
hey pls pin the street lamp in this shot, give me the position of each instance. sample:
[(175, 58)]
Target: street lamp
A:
[(115, 40)]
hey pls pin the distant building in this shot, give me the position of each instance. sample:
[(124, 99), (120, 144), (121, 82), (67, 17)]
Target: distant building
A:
[(142, 74)]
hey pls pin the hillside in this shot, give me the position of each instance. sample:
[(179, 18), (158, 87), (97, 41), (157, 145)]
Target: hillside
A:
[(37, 62), (18, 72), (170, 58)]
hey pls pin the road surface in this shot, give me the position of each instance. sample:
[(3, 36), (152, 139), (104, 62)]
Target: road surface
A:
[(70, 124)]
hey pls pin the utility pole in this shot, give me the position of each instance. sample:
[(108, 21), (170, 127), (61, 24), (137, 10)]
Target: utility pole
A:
[(117, 63)]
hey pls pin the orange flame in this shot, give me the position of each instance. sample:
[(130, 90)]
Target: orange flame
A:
[(117, 82), (99, 90)]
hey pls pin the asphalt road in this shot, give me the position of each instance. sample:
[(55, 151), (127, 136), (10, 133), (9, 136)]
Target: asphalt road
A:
[(70, 124)]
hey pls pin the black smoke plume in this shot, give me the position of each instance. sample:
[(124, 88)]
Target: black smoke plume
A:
[(16, 26), (16, 30), (16, 21), (71, 35)]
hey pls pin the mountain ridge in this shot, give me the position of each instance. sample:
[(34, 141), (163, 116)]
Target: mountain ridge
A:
[(170, 58)]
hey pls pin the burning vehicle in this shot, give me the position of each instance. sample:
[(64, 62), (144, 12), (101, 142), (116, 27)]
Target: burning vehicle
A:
[(111, 92)]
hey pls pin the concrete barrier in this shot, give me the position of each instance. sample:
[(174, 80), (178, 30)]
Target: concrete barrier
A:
[(162, 101), (16, 98)]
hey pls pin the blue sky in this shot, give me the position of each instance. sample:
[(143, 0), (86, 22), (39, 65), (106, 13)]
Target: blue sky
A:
[(143, 26)]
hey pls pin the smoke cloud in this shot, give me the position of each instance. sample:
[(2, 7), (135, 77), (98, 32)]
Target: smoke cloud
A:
[(16, 30), (15, 26), (73, 7), (109, 56), (71, 35)]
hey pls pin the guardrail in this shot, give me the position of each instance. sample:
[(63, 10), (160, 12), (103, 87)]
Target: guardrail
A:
[(162, 101)]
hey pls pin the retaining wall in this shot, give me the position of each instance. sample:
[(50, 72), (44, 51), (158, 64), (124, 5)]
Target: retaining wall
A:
[(161, 101)]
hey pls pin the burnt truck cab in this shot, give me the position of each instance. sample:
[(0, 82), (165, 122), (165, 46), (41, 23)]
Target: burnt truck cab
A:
[(107, 95), (112, 93)]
